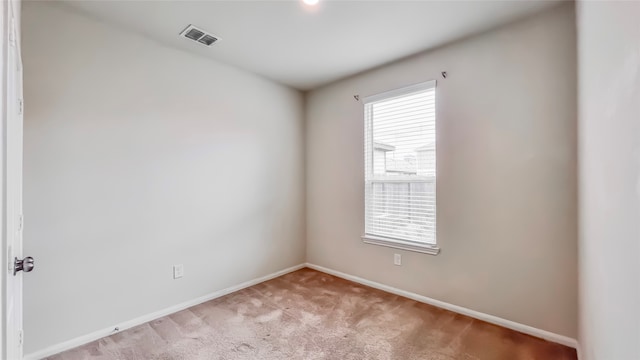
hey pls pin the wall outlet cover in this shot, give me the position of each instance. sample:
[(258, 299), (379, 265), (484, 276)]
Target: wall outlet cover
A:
[(178, 271)]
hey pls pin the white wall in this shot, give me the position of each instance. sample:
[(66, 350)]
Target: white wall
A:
[(138, 157), (507, 221), (609, 138)]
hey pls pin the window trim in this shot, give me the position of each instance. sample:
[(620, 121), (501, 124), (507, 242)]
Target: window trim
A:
[(431, 84), (403, 244)]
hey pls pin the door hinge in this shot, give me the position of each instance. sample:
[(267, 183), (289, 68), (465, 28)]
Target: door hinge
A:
[(20, 106), (20, 222), (21, 337)]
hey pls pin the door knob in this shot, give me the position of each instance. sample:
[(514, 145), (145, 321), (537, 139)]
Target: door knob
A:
[(25, 265)]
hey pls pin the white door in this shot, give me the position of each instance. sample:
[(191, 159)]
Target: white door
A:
[(13, 184)]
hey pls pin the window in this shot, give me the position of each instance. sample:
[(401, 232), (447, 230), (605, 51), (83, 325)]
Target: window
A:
[(400, 168)]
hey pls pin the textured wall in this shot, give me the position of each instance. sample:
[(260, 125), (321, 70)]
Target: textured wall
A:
[(138, 157), (507, 221)]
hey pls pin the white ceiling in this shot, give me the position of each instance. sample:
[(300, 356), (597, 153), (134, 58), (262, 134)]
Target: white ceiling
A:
[(307, 47)]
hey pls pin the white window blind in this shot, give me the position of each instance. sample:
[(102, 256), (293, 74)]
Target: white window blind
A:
[(400, 165)]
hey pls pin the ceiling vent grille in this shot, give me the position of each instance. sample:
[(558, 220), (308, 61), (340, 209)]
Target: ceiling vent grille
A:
[(199, 35)]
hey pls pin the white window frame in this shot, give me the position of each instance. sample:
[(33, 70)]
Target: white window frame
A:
[(403, 244)]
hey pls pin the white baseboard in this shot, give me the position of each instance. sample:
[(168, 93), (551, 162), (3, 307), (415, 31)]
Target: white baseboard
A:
[(579, 352), (529, 330), (85, 339)]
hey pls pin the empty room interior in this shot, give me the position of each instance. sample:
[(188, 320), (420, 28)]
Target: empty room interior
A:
[(324, 179)]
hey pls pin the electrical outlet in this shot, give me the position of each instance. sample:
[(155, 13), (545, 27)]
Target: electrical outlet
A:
[(397, 259), (178, 271)]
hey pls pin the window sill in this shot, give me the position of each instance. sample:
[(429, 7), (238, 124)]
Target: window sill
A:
[(403, 245)]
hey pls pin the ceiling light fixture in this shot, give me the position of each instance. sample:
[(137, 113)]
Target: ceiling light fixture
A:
[(311, 2)]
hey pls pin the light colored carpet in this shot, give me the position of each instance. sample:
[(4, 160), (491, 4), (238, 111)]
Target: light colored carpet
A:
[(311, 315)]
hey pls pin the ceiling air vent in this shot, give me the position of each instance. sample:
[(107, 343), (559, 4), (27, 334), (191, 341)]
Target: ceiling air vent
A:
[(199, 35)]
